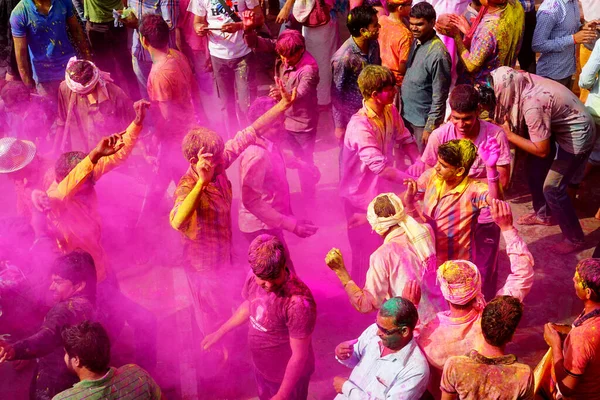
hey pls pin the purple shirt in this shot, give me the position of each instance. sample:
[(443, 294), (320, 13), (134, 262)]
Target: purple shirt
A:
[(369, 148), (304, 76), (265, 189)]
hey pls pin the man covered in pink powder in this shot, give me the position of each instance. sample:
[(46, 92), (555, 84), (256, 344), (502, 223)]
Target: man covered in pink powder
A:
[(282, 314), (265, 207), (202, 212), (375, 139), (407, 254), (455, 332)]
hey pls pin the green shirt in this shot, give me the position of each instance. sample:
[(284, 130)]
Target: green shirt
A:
[(128, 382), (100, 11)]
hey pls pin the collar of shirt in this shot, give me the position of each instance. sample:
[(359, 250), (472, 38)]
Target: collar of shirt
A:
[(502, 360), (459, 189), (446, 319), (357, 50), (401, 355), (96, 382), (102, 95)]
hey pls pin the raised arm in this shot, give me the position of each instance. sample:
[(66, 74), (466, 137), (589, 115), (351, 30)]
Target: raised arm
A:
[(519, 282)]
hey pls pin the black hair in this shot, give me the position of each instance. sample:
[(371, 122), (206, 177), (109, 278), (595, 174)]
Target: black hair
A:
[(90, 343), (266, 256), (402, 310), (78, 266), (360, 18), (500, 318), (464, 99), (155, 30), (66, 162), (423, 10)]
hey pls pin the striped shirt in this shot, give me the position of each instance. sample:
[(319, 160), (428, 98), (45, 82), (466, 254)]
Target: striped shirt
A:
[(128, 382), (454, 212), (528, 5)]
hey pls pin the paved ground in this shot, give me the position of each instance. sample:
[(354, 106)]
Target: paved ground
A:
[(149, 277)]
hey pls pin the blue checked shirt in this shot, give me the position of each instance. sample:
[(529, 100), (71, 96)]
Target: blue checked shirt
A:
[(528, 5), (557, 21), (169, 9)]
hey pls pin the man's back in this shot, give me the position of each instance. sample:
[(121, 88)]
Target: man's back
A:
[(475, 377), (128, 382), (582, 358)]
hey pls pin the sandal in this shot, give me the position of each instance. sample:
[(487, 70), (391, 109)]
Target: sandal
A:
[(532, 219)]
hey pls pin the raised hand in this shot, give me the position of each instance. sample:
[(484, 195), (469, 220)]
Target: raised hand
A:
[(40, 200), (205, 167), (490, 152), (416, 169), (140, 107), (411, 192), (107, 147), (287, 98), (501, 214), (412, 292), (334, 259)]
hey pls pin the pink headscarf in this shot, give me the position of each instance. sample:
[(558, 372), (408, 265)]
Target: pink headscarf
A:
[(461, 293), (511, 88)]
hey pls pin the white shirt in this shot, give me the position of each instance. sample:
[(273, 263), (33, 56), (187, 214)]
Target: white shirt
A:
[(398, 376), (591, 9), (226, 46)]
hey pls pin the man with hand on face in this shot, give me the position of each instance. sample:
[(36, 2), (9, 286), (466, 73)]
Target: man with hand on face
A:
[(282, 315), (387, 362), (73, 288), (427, 80)]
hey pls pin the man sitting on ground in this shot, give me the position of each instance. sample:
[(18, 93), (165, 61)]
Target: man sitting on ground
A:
[(87, 355)]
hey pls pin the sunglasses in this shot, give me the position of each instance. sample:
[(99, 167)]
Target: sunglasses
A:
[(388, 332)]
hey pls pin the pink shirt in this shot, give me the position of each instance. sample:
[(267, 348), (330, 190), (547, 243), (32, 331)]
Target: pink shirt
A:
[(186, 24), (265, 189), (446, 336), (369, 148)]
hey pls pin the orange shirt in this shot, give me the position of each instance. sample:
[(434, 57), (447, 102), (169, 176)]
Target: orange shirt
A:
[(394, 45), (74, 211), (582, 358)]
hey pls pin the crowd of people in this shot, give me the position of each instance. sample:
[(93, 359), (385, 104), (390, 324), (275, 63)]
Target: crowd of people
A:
[(429, 104)]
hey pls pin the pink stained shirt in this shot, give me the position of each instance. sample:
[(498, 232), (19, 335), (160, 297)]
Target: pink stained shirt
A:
[(186, 24), (368, 149), (446, 336), (391, 266), (265, 189)]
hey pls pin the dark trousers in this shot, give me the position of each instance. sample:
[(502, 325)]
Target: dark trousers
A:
[(268, 389), (236, 81), (526, 55), (363, 242), (537, 169), (115, 309), (487, 243), (566, 82), (417, 132), (302, 145), (111, 54)]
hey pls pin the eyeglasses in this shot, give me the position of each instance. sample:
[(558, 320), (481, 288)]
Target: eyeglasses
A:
[(388, 332)]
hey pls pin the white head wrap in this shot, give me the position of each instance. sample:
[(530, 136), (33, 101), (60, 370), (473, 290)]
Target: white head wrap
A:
[(418, 235), (99, 77)]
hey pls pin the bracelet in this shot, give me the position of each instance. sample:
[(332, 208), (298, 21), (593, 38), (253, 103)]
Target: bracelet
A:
[(494, 179)]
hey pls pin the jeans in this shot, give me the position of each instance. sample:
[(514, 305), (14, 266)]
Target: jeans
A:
[(417, 132), (302, 145), (111, 54), (563, 169), (115, 309), (363, 242), (236, 81), (268, 389), (487, 243), (537, 169), (526, 55)]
